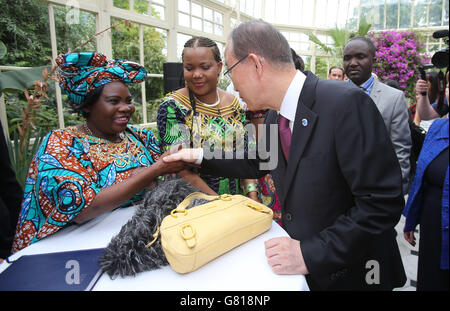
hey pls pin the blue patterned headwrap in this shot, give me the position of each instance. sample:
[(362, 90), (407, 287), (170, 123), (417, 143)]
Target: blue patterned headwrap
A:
[(81, 73)]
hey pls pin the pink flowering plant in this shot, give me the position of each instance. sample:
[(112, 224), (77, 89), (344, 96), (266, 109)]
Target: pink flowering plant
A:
[(398, 57)]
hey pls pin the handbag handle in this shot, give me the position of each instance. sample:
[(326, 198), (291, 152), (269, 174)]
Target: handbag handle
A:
[(195, 195)]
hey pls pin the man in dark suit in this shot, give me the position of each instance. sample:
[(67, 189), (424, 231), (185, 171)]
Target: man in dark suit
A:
[(10, 199), (339, 181), (358, 60)]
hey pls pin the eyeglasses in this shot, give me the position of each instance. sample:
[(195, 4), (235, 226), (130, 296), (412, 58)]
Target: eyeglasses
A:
[(228, 72)]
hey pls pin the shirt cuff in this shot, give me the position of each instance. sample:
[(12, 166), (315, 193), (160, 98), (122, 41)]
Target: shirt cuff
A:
[(200, 156)]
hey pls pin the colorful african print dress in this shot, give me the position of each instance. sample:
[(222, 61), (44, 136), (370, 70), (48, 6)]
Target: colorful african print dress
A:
[(225, 126), (68, 171), (267, 192)]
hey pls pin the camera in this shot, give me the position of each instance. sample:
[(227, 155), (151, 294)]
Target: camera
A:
[(440, 58)]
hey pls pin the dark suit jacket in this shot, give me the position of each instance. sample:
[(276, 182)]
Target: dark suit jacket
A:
[(10, 199), (341, 192)]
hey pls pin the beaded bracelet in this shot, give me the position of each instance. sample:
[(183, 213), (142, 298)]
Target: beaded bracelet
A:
[(250, 187)]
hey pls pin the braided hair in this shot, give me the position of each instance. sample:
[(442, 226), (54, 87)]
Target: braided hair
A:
[(195, 42)]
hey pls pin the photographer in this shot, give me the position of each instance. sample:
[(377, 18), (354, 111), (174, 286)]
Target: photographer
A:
[(432, 106)]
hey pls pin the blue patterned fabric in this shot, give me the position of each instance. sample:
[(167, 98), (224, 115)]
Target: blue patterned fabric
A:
[(436, 141), (68, 171), (81, 73)]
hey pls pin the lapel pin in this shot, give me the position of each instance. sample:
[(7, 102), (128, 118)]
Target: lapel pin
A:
[(304, 122)]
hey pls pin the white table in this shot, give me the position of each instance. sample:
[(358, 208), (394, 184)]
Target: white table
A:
[(244, 268)]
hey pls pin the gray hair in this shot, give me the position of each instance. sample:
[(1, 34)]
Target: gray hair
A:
[(263, 39)]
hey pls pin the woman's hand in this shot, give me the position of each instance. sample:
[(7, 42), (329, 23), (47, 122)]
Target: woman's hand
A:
[(254, 196), (172, 167), (421, 86)]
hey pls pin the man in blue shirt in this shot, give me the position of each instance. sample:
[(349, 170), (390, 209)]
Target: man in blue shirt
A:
[(358, 60)]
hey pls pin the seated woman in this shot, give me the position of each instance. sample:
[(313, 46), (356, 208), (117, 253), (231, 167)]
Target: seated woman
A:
[(83, 171), (200, 112)]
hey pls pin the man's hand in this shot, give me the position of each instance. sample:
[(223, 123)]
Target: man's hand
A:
[(285, 256)]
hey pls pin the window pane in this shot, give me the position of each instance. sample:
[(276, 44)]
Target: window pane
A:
[(207, 14), (304, 37), (294, 45), (378, 21), (249, 7), (286, 35), (159, 10), (196, 23), (208, 27), (295, 36), (181, 40), (420, 13), (183, 20), (158, 1), (183, 6), (295, 8), (321, 13), (332, 9), (307, 16), (352, 22), (258, 9), (70, 33), (366, 10), (196, 10), (392, 14), (218, 29), (121, 4), (234, 23), (373, 12), (270, 11), (141, 6), (304, 46), (218, 18), (435, 15), (446, 13), (342, 13), (405, 13), (282, 10)]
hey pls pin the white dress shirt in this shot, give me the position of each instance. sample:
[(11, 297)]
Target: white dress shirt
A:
[(288, 106)]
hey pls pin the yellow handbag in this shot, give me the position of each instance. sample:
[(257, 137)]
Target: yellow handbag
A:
[(190, 238)]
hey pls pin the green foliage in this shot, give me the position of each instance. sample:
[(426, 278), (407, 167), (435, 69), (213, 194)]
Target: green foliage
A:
[(340, 38), (46, 118), (20, 161), (3, 50), (125, 44), (24, 30)]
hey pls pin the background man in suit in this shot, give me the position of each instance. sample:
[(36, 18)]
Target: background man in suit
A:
[(336, 73), (359, 57), (338, 181), (11, 196)]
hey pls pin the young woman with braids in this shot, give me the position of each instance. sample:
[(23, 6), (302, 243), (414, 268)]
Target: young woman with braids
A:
[(200, 113)]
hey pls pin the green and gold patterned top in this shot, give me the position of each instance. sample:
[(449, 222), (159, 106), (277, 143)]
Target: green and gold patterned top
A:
[(211, 127)]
